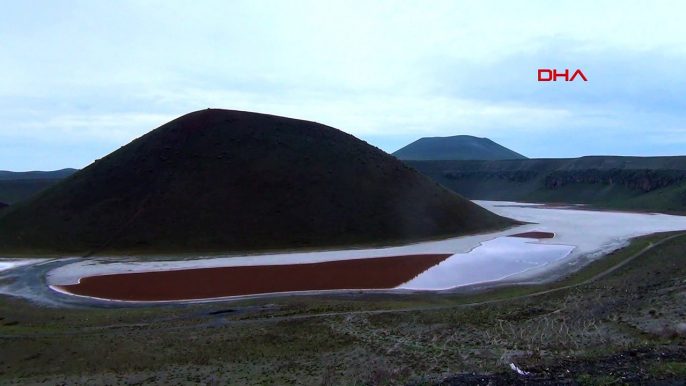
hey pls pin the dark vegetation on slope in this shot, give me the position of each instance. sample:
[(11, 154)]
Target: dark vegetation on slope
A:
[(220, 180), (14, 191), (632, 183), (459, 147), (20, 186)]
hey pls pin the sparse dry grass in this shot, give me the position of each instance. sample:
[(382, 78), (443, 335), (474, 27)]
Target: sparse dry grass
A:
[(342, 340)]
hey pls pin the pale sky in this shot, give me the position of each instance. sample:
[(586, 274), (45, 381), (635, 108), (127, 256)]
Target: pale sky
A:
[(79, 79)]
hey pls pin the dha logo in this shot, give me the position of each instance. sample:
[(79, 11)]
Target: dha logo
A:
[(553, 75)]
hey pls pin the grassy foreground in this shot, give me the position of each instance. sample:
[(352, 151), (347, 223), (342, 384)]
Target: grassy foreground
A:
[(624, 328)]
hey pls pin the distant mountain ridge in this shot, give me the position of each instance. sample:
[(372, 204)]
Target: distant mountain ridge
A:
[(36, 175), (458, 147), (631, 183)]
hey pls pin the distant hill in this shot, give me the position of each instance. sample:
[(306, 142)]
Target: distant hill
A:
[(632, 183), (221, 180), (36, 175), (459, 147), (19, 186)]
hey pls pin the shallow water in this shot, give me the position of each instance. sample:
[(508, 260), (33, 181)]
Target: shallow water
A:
[(7, 264), (473, 259), (493, 260), (218, 282), (490, 261)]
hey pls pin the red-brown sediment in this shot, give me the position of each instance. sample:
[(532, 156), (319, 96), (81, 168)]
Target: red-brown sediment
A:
[(558, 204), (535, 235), (203, 283)]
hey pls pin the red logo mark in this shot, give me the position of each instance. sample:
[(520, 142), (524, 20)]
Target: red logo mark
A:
[(553, 75)]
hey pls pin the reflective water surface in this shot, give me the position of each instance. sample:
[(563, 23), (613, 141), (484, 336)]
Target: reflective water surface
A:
[(218, 282), (454, 262), (493, 260)]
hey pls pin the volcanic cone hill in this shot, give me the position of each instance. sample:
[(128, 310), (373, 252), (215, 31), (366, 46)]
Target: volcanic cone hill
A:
[(458, 147), (221, 180)]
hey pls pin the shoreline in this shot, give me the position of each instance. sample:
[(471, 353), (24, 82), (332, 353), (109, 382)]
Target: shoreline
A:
[(591, 235), (210, 283), (553, 278)]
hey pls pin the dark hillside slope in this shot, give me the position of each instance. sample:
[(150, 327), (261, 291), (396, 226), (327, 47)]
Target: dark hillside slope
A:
[(632, 183), (20, 186), (13, 191), (220, 180), (459, 147)]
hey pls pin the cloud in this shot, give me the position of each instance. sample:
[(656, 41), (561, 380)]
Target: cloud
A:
[(631, 97), (87, 128), (98, 75)]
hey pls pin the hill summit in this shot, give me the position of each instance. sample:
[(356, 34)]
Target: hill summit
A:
[(459, 147), (222, 180)]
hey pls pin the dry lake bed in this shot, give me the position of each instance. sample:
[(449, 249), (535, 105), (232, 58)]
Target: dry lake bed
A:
[(555, 238)]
